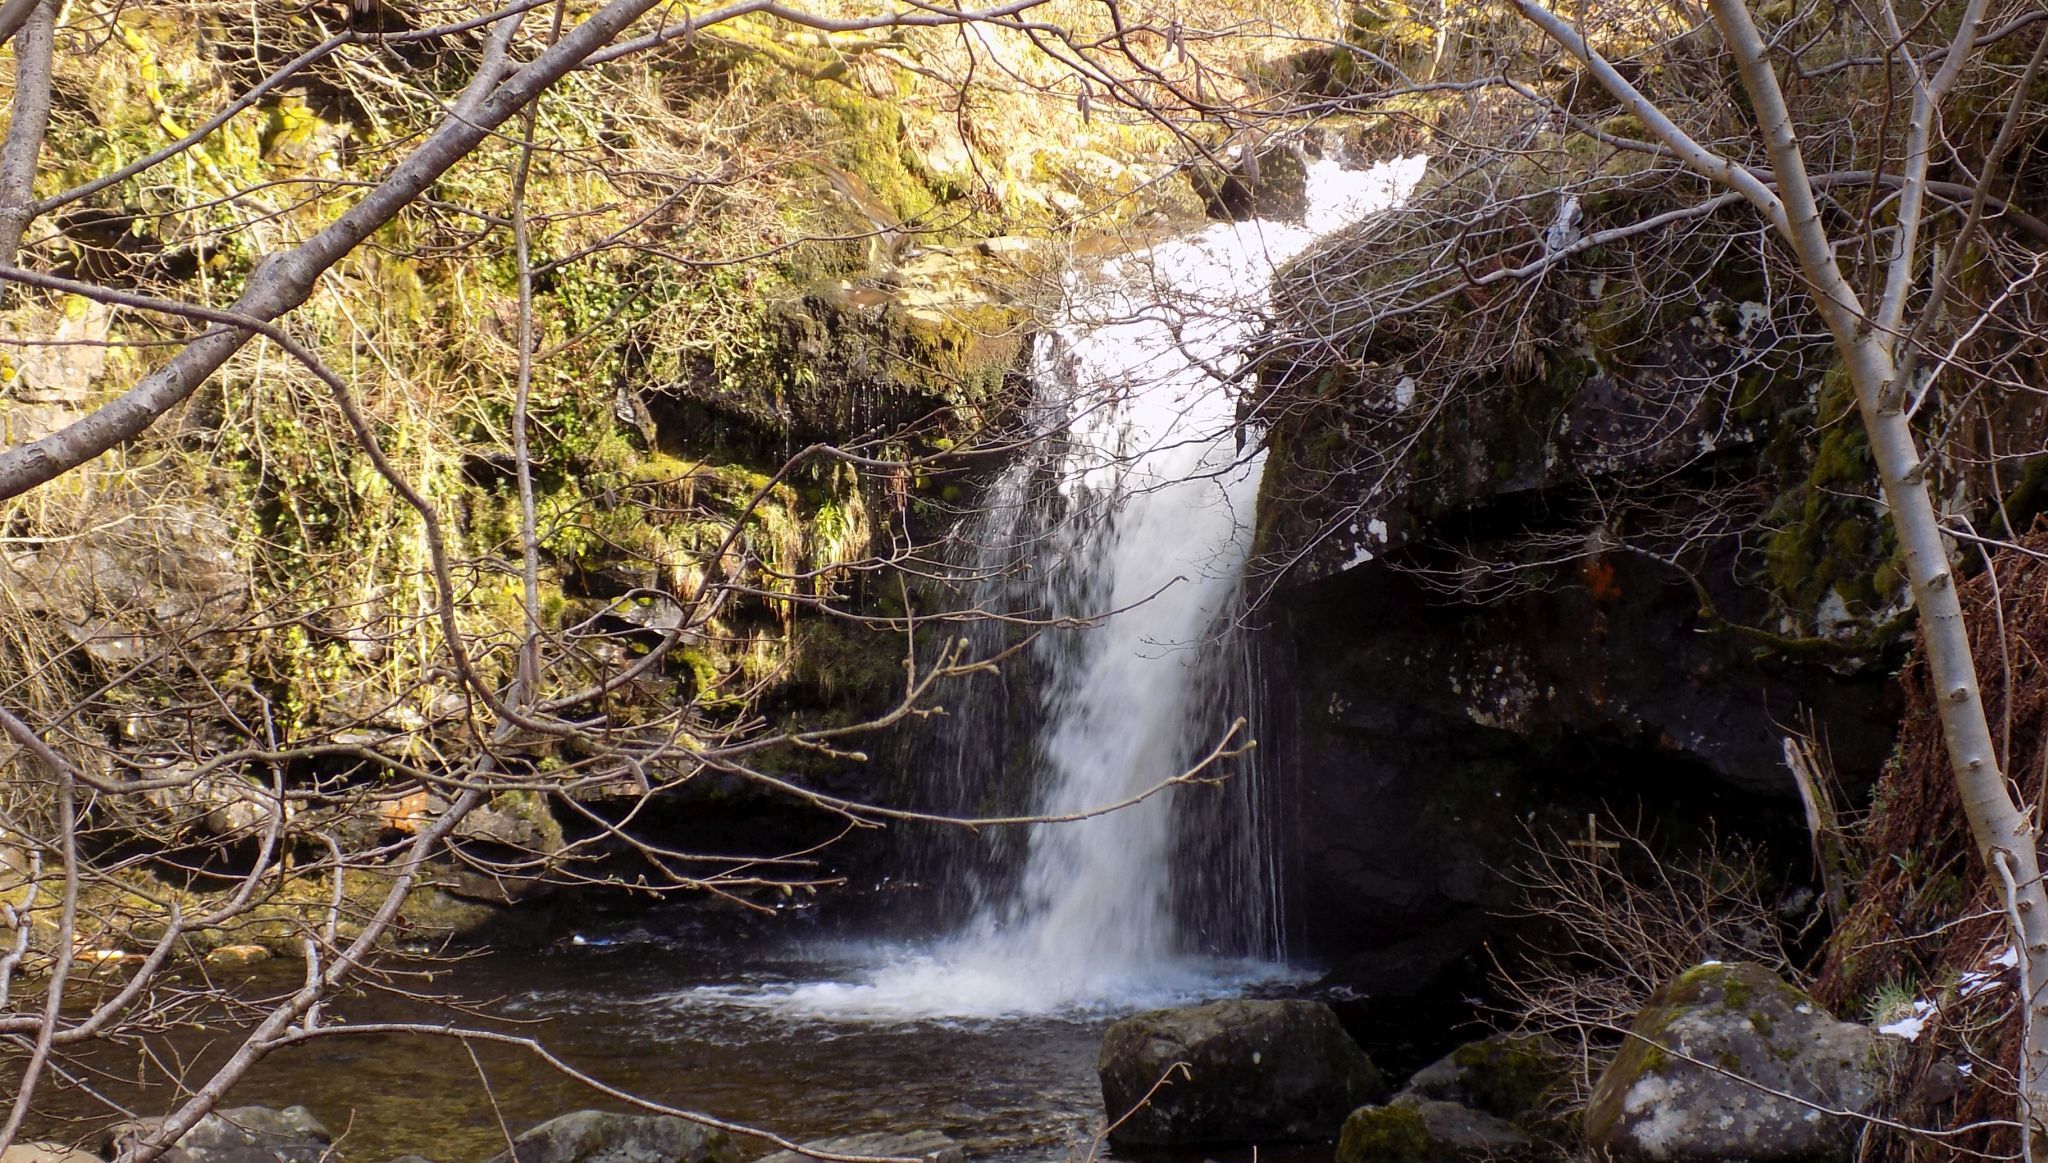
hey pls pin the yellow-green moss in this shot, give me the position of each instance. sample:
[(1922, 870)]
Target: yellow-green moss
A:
[(1385, 1134)]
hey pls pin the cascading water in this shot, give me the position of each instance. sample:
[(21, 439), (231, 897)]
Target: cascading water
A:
[(1147, 520)]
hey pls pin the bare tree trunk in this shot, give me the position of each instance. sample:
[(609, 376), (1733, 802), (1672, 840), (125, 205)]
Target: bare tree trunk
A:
[(25, 133), (15, 13)]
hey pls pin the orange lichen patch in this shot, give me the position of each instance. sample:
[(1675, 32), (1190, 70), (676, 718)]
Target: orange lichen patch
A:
[(404, 814), (1598, 574)]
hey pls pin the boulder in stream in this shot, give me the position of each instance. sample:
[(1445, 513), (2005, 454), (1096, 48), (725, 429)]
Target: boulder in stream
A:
[(1270, 181), (1233, 1072), (243, 1134), (604, 1137), (925, 1146), (1506, 1075), (1728, 1061), (1411, 1129)]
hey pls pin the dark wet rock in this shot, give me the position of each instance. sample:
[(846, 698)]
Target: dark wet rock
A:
[(514, 819), (1475, 642), (1419, 1130), (928, 1146), (1507, 1075), (604, 1137), (1695, 1080), (1439, 731), (1256, 1071), (245, 1134), (1269, 182)]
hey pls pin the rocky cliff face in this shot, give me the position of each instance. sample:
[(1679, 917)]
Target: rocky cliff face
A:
[(1587, 541)]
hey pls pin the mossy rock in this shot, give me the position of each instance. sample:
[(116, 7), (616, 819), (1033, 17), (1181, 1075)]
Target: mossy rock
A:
[(1233, 1072), (1394, 1133), (1420, 1130), (1506, 1075), (1729, 1061)]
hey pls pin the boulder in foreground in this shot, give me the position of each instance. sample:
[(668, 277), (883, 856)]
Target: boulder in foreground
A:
[(1412, 1129), (1728, 1061), (924, 1146), (1255, 1072), (243, 1134), (604, 1137)]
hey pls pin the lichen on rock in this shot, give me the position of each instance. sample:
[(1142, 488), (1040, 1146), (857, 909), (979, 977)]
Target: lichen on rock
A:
[(1728, 1060)]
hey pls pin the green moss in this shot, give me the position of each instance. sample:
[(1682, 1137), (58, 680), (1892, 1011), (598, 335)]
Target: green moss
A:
[(1385, 1134), (1824, 538), (1509, 1076)]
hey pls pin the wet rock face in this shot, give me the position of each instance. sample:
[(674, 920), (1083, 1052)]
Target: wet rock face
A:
[(1430, 730), (1728, 1061), (604, 1137), (248, 1134), (1257, 1072), (1271, 182)]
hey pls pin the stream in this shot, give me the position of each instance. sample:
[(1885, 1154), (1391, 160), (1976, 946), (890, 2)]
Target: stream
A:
[(668, 1017)]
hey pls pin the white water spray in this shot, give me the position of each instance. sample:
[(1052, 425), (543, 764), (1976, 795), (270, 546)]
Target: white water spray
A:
[(1155, 524)]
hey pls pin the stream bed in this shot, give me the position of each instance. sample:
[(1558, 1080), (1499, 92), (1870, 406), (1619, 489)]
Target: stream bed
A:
[(751, 1030)]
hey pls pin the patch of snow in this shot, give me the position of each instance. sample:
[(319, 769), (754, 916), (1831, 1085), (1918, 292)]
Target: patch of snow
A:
[(1832, 618), (1564, 229), (1911, 1026), (1750, 315), (1973, 983)]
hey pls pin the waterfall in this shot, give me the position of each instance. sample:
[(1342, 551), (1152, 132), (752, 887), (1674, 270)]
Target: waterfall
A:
[(1139, 518)]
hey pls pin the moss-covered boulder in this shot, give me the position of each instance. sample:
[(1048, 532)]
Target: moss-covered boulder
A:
[(1233, 1072), (1728, 1061), (1506, 1075), (1421, 1130)]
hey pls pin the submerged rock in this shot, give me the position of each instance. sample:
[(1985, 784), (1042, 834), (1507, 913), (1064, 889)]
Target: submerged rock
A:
[(605, 1137), (1728, 1061), (927, 1146), (1254, 1071), (1420, 1130), (244, 1134)]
